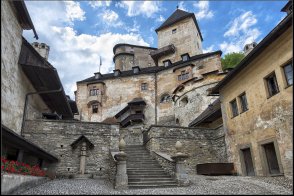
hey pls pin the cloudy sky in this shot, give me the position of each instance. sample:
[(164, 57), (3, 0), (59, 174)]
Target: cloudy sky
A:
[(78, 32)]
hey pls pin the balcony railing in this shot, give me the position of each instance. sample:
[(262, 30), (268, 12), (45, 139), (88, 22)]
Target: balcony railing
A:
[(162, 51), (132, 117)]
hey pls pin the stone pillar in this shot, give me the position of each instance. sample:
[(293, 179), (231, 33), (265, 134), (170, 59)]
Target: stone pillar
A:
[(181, 172), (20, 155), (83, 158), (121, 178)]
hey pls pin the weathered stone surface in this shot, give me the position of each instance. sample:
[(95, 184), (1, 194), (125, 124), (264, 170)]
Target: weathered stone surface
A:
[(56, 137), (202, 145)]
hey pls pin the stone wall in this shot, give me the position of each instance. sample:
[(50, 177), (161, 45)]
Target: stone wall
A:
[(14, 84), (132, 135), (56, 138), (202, 145)]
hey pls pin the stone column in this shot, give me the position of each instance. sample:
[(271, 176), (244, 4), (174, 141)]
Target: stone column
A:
[(121, 178), (83, 158), (181, 172)]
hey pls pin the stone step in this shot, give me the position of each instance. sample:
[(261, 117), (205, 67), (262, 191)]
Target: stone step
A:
[(152, 186), (140, 173), (170, 181), (149, 175), (145, 169), (133, 179)]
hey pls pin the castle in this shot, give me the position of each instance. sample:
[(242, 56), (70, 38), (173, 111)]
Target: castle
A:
[(155, 98)]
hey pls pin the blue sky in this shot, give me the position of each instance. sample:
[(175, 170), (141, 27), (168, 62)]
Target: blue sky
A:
[(78, 32)]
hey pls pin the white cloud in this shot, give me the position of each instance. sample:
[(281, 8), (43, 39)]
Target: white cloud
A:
[(203, 10), (134, 29), (74, 11), (109, 16), (240, 32), (75, 56), (209, 49), (160, 19), (182, 6), (96, 4), (241, 23), (135, 8)]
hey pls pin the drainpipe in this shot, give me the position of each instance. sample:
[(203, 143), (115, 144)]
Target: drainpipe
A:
[(155, 98), (26, 103)]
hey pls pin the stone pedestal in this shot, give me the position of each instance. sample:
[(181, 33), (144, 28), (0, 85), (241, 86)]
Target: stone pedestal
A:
[(121, 178), (181, 171)]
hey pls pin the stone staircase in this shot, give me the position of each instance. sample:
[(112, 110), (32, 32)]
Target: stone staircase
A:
[(144, 171)]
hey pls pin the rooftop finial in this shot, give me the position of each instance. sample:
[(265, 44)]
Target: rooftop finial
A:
[(177, 6), (100, 64)]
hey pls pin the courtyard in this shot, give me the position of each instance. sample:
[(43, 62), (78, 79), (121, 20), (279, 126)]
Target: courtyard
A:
[(201, 185)]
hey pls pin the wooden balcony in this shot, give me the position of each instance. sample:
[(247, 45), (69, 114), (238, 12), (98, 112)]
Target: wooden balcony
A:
[(163, 51), (132, 118)]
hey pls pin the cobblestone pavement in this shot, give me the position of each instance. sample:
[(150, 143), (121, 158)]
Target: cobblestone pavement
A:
[(199, 185)]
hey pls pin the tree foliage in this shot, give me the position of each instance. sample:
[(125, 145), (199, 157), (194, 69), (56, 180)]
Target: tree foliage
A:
[(231, 60)]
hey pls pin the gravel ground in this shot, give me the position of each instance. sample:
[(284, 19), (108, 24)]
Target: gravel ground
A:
[(199, 185)]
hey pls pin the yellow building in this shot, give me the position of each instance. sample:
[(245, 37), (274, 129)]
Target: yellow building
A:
[(257, 106)]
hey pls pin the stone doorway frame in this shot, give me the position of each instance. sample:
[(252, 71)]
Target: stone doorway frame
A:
[(264, 164), (242, 161)]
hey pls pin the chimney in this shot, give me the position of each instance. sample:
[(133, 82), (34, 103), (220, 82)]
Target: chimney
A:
[(42, 49), (249, 47), (98, 75)]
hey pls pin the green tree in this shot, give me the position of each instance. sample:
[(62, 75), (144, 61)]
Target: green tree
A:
[(231, 60)]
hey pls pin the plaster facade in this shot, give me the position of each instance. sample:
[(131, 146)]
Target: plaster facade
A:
[(14, 84), (268, 120)]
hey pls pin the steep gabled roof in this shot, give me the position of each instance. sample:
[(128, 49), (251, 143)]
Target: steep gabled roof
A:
[(177, 16)]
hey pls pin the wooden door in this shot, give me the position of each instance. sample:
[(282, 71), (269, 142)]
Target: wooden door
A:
[(271, 158), (248, 162)]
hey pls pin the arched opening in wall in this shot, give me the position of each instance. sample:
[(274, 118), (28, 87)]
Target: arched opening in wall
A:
[(184, 101), (177, 121), (165, 98)]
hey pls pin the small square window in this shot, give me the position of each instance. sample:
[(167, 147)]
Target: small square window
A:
[(234, 108), (166, 63), (185, 57), (144, 86), (243, 101), (174, 31), (272, 85), (288, 71), (95, 108)]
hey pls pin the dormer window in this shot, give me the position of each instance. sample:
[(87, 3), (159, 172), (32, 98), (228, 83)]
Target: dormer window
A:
[(116, 72), (136, 69), (185, 57), (97, 75), (166, 63), (174, 31)]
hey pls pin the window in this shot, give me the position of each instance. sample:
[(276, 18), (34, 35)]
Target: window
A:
[(185, 57), (184, 75), (197, 45), (95, 108), (234, 108), (288, 71), (144, 86), (272, 85), (165, 98), (94, 91), (174, 31), (166, 63), (243, 101)]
